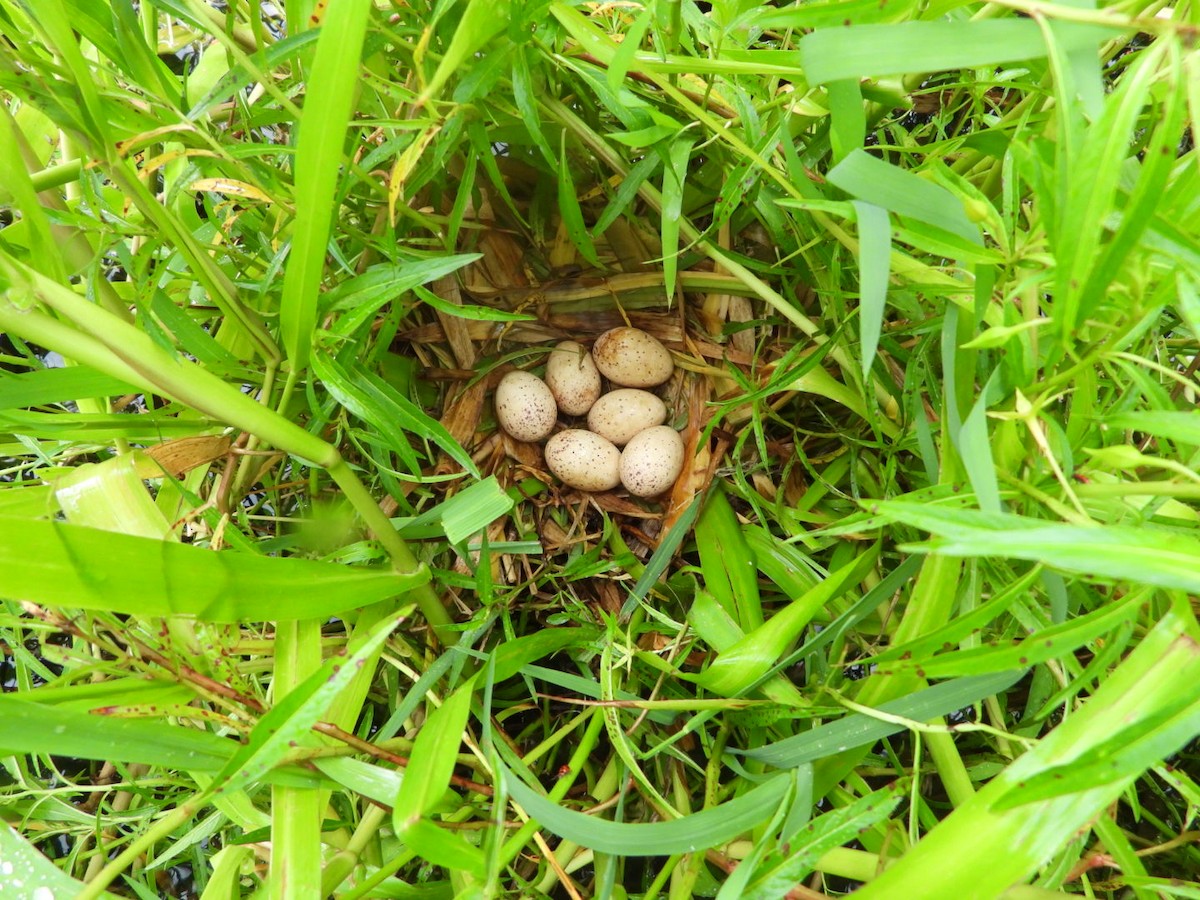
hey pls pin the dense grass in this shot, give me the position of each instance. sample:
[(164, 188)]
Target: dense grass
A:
[(285, 614)]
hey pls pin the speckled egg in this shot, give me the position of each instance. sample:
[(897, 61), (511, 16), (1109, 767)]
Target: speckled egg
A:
[(622, 413), (632, 358), (584, 460), (525, 408), (651, 461), (573, 378)]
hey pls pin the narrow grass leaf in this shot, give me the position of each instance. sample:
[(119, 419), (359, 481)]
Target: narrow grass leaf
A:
[(470, 311), (674, 179), (867, 178), (571, 211), (872, 50), (963, 625), (474, 508), (858, 730), (60, 729), (62, 565), (38, 388), (432, 759), (737, 667), (513, 656), (874, 266), (1038, 647), (848, 117), (661, 558), (818, 837), (1144, 555), (444, 848), (975, 451), (481, 21), (1131, 749), (319, 152), (730, 573), (92, 428), (712, 827), (1173, 425)]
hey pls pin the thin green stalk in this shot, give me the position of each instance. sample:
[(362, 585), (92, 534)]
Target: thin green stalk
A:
[(338, 869), (157, 832), (587, 744), (295, 811)]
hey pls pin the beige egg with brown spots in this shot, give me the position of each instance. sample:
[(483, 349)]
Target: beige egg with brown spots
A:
[(573, 378), (622, 413), (632, 358), (525, 408), (651, 461), (584, 460)]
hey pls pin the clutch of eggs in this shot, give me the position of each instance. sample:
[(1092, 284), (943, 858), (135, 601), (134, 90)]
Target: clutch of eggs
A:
[(527, 408)]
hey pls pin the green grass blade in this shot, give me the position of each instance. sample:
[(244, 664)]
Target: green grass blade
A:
[(730, 574), (834, 53), (332, 81), (26, 872), (874, 266), (37, 728), (737, 667), (858, 729), (85, 568), (709, 828), (1141, 555), (863, 176), (823, 834)]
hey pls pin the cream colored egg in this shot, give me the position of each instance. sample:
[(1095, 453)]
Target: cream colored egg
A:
[(584, 460), (632, 358), (573, 378), (525, 408), (622, 413), (651, 461)]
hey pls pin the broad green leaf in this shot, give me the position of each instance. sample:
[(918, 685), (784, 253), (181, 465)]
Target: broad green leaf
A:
[(709, 828), (480, 22), (730, 573), (867, 178), (1173, 425), (319, 152), (444, 848), (31, 727), (858, 729), (26, 872), (85, 568), (899, 48), (874, 261), (739, 666), (432, 759)]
